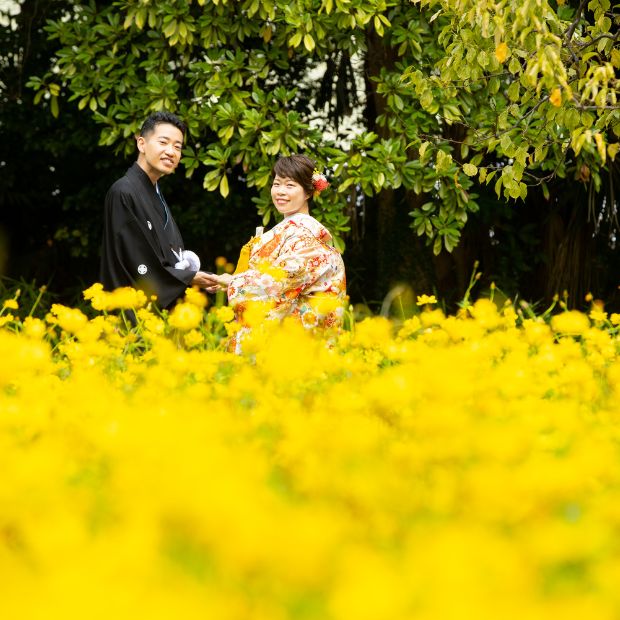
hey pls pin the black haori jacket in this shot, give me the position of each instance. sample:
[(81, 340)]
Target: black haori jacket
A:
[(140, 238)]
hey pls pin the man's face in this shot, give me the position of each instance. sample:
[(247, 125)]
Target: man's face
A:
[(160, 150)]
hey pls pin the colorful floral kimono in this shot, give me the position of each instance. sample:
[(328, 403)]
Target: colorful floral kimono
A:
[(292, 271)]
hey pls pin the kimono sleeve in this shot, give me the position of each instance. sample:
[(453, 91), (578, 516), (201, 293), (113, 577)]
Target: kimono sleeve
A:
[(291, 269)]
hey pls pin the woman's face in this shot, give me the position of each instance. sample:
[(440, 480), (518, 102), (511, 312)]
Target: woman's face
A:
[(288, 196)]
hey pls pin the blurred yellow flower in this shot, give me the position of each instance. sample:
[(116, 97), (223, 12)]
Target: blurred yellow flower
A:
[(71, 320), (34, 328), (426, 299), (373, 332), (324, 303), (362, 477), (410, 327), (232, 328), (185, 316), (124, 298), (152, 323), (7, 318), (598, 314), (256, 312), (571, 322), (224, 313), (194, 296), (268, 268), (485, 312), (429, 318), (10, 304), (193, 338)]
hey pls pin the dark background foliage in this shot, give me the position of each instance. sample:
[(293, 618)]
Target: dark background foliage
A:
[(54, 176)]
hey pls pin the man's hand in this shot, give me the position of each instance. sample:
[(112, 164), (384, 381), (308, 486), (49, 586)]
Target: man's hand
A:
[(212, 282)]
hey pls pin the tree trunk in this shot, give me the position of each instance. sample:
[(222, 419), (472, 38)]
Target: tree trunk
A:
[(568, 247), (401, 257)]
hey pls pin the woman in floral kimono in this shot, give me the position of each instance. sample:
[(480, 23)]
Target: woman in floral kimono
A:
[(292, 269)]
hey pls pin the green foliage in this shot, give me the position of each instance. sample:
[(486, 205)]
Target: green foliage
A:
[(534, 85), (510, 92)]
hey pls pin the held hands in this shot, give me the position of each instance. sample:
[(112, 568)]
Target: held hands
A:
[(212, 282)]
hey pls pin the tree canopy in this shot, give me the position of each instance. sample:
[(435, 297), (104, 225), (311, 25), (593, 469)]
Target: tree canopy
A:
[(460, 103), (549, 79), (513, 91)]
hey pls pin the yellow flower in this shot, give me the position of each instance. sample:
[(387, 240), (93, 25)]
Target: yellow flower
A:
[(34, 328), (72, 320), (486, 314), (570, 322), (556, 97), (410, 327), (196, 297), (232, 328), (598, 314), (432, 317), (324, 303), (256, 312), (7, 318), (372, 333), (220, 261), (96, 295), (510, 316), (615, 318), (11, 304), (426, 299), (268, 268), (185, 316), (193, 338), (124, 298), (224, 313), (152, 323)]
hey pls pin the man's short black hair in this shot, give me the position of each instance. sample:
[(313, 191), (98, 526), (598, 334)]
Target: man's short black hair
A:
[(157, 118)]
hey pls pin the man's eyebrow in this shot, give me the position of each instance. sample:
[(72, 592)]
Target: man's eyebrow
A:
[(165, 137)]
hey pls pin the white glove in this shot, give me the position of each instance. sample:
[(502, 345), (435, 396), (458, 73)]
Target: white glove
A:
[(188, 260)]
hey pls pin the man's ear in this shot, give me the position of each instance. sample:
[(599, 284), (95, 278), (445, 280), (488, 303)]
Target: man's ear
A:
[(140, 143)]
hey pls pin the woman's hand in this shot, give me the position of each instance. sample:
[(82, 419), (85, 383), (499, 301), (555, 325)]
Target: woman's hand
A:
[(213, 282)]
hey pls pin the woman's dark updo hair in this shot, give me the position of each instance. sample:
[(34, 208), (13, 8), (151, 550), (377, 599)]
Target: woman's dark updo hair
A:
[(299, 168)]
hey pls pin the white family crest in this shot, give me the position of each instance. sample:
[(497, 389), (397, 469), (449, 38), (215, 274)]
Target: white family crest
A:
[(142, 269)]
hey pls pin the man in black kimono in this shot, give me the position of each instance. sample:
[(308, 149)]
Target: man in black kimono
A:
[(142, 246)]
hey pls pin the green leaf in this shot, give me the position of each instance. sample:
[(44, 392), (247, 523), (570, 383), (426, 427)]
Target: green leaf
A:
[(295, 40), (470, 170), (224, 186), (54, 106), (422, 150)]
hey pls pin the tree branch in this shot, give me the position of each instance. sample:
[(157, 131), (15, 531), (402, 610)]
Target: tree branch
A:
[(587, 44), (571, 29)]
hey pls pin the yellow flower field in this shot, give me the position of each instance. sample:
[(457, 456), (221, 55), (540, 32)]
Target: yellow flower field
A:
[(449, 467)]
